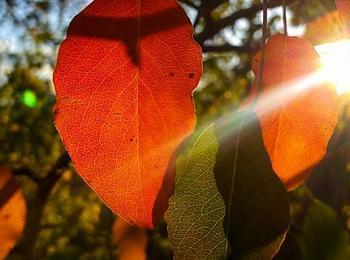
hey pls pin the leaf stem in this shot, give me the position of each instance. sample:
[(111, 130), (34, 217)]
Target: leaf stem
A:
[(232, 188), (285, 25), (262, 57)]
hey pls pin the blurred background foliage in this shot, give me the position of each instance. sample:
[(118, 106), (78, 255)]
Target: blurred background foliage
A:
[(65, 219)]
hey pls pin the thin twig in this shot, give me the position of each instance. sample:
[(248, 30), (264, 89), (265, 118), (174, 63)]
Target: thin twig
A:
[(216, 26), (226, 48)]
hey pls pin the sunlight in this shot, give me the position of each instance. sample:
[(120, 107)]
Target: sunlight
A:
[(335, 58)]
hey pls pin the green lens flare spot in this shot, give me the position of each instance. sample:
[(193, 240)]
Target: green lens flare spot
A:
[(29, 98)]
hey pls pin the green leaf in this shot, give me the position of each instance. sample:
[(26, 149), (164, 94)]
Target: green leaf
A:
[(196, 210), (228, 202), (323, 236)]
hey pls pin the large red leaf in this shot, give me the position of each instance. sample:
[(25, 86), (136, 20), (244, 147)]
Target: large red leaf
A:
[(297, 110), (124, 79), (344, 11)]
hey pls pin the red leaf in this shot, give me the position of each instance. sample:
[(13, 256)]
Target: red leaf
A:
[(298, 125), (124, 79), (344, 12), (326, 28)]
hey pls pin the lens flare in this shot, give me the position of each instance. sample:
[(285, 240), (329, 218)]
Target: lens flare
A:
[(335, 59), (29, 98)]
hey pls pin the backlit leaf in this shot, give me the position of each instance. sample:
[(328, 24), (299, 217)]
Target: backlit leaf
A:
[(344, 11), (326, 28), (12, 212), (297, 110), (131, 241), (323, 236), (196, 210), (124, 79), (226, 195)]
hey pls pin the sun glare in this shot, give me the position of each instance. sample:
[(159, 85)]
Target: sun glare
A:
[(335, 59)]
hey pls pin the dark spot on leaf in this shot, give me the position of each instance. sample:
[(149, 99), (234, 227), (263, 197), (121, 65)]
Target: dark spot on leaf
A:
[(172, 74), (191, 75)]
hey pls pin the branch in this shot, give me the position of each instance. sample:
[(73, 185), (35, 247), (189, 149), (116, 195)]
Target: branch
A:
[(37, 205), (28, 173), (216, 26), (205, 10), (8, 191), (226, 48), (190, 4), (55, 172), (61, 164)]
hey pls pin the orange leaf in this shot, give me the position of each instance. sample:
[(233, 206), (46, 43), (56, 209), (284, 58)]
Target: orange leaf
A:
[(344, 11), (326, 28), (124, 79), (12, 212), (131, 241), (297, 122)]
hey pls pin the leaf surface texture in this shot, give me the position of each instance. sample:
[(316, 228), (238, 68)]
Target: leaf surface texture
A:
[(297, 110), (124, 79), (220, 203), (344, 12)]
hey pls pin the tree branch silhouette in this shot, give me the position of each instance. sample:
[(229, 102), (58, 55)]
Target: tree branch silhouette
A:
[(36, 206), (226, 48), (217, 26), (28, 173), (104, 27)]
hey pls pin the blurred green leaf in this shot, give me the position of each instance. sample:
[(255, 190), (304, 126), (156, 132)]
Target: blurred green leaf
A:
[(323, 236)]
